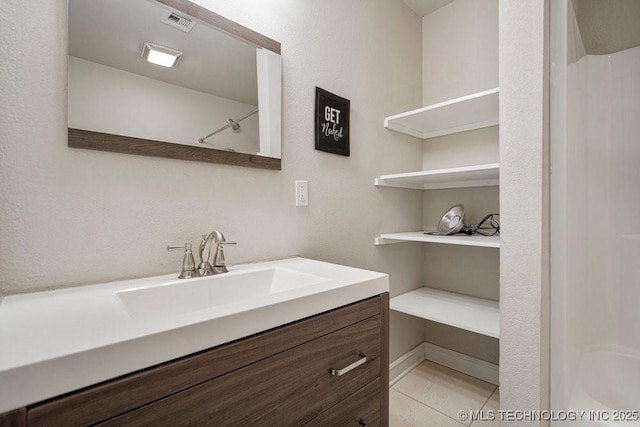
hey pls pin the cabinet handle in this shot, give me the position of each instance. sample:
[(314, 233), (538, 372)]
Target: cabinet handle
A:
[(362, 422), (340, 372)]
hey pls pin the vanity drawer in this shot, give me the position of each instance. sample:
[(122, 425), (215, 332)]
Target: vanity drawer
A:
[(290, 388), (360, 409)]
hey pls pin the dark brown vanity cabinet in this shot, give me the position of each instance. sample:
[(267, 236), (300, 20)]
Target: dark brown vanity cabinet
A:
[(327, 370), (17, 418)]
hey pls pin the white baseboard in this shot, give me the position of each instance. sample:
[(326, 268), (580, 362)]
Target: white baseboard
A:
[(405, 363), (477, 368)]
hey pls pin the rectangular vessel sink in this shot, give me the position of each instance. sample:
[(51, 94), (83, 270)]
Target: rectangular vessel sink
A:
[(191, 295)]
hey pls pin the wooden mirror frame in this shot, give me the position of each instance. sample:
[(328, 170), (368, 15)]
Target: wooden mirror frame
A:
[(79, 138)]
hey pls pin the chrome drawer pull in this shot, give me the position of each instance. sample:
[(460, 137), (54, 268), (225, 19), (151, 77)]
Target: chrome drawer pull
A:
[(340, 372)]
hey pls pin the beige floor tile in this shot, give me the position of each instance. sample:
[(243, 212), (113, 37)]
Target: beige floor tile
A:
[(406, 412), (491, 407), (416, 383), (446, 390)]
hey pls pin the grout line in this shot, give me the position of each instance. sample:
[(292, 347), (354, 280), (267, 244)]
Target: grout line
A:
[(485, 403), (430, 407), (488, 398)]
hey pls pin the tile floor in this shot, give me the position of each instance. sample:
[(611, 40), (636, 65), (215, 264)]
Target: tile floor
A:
[(431, 395)]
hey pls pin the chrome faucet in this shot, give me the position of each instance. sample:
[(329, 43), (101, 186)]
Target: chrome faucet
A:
[(205, 268)]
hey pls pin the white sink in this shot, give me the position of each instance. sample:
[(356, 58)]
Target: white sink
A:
[(191, 295)]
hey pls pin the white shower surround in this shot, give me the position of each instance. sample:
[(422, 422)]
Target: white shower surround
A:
[(596, 231), (607, 383)]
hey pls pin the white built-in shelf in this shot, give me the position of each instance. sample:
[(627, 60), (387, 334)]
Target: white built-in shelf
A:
[(467, 176), (461, 311), (456, 239), (475, 111)]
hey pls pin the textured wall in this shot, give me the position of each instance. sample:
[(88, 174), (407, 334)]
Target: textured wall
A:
[(460, 50), (71, 217), (524, 301)]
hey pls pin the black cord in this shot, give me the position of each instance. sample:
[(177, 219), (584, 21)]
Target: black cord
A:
[(491, 224)]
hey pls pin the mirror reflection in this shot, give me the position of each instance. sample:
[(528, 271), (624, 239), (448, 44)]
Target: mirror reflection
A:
[(142, 69)]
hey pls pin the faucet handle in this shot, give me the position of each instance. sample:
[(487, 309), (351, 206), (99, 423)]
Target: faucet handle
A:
[(188, 263), (219, 264), (186, 247), (219, 244), (218, 257)]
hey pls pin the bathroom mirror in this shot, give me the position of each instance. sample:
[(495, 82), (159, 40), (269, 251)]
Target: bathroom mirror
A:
[(220, 102)]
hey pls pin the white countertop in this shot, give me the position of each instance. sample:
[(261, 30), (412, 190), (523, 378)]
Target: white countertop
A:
[(58, 341)]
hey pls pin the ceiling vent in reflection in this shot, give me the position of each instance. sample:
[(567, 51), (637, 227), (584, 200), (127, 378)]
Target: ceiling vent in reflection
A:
[(180, 22)]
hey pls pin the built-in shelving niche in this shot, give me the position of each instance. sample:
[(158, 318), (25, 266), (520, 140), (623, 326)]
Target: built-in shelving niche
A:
[(475, 111)]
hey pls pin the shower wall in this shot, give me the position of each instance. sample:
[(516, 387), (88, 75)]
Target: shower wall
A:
[(609, 88), (595, 204)]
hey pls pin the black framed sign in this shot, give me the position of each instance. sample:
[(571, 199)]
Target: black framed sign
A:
[(332, 123)]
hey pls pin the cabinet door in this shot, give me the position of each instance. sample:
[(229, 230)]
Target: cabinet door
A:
[(288, 389), (358, 410)]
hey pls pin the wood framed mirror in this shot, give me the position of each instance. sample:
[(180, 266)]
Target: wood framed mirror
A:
[(220, 103)]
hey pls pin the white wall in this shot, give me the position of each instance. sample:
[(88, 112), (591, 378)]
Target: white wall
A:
[(109, 100), (524, 290), (460, 57), (71, 216), (460, 51)]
